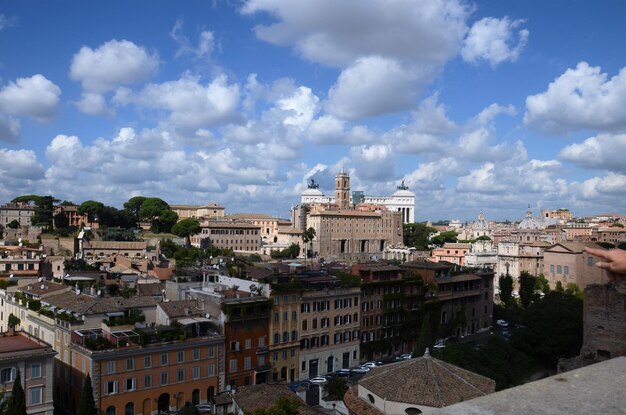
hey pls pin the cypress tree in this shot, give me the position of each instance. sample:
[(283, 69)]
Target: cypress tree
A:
[(87, 405), (17, 401)]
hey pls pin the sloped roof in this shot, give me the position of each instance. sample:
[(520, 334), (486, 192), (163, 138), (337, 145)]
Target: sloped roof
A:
[(426, 381), (263, 396), (575, 247), (116, 245), (84, 304)]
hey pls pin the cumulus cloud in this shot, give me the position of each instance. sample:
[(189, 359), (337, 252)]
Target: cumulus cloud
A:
[(9, 129), (302, 107), (431, 175), (35, 96), (373, 86), (20, 164), (581, 98), (328, 129), (114, 63), (481, 180), (605, 151), (487, 115), (613, 184), (375, 162), (337, 33), (93, 104), (190, 103), (204, 49), (494, 40)]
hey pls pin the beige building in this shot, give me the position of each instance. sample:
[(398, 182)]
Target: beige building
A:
[(239, 236), (21, 212), (210, 211), (514, 258), (20, 262), (613, 235), (329, 328), (284, 335), (568, 263), (33, 359), (268, 225)]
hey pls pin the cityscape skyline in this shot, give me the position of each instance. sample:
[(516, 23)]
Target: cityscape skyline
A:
[(476, 106)]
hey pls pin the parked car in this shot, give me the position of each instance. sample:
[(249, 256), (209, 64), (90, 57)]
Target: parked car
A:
[(371, 365), (343, 373), (361, 369), (318, 380), (439, 345), (502, 323), (204, 408), (406, 356)]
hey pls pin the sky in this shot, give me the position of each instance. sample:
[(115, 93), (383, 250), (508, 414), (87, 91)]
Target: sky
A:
[(476, 105)]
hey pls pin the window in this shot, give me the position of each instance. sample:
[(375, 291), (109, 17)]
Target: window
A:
[(7, 375), (304, 325), (294, 335), (276, 338), (196, 372), (294, 315), (129, 409), (111, 367), (552, 268), (147, 361), (211, 370), (181, 356), (35, 370), (163, 358), (262, 341), (276, 317), (559, 269), (130, 384), (248, 343), (196, 354), (590, 261), (233, 365), (234, 346), (163, 378), (130, 364), (180, 375), (285, 315), (285, 337), (565, 270), (147, 381), (304, 365), (35, 396), (211, 351), (314, 324), (110, 387), (247, 363)]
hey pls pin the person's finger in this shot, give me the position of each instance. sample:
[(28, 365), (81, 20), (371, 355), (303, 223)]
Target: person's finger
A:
[(603, 265), (596, 252)]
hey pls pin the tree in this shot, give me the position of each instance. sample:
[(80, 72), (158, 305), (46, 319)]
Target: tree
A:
[(14, 224), (92, 208), (151, 208), (416, 235), (307, 237), (335, 388), (541, 283), (443, 237), (165, 222), (527, 284), (133, 206), (17, 401), (505, 282), (44, 211), (554, 328), (185, 228), (118, 234), (573, 289), (61, 221), (87, 404), (14, 321)]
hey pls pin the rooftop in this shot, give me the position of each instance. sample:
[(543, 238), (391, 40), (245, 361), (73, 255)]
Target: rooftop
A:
[(263, 396), (595, 389)]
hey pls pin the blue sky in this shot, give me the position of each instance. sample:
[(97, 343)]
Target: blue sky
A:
[(477, 105)]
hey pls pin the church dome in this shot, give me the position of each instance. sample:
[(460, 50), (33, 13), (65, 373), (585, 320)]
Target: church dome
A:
[(480, 224), (529, 222), (312, 192)]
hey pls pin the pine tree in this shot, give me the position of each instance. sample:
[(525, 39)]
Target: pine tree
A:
[(87, 405), (17, 401)]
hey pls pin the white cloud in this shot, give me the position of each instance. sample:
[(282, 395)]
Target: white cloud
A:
[(35, 96), (336, 33), (189, 103), (93, 104), (487, 115), (375, 162), (301, 106), (328, 129), (605, 151), (373, 86), (474, 145), (9, 129), (431, 175), (481, 180), (204, 49), (494, 40), (613, 184), (20, 164), (581, 98), (114, 63)]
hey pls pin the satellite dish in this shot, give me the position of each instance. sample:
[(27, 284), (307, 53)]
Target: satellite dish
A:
[(43, 287), (228, 388), (11, 276), (99, 293), (67, 275), (77, 291), (208, 315), (20, 244), (163, 290), (40, 279), (20, 240)]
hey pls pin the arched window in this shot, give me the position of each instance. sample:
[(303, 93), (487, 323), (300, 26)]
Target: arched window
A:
[(195, 396), (371, 398), (210, 393), (283, 373), (129, 409), (412, 411), (111, 410)]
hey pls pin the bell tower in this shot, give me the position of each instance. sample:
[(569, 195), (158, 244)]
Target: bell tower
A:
[(342, 190)]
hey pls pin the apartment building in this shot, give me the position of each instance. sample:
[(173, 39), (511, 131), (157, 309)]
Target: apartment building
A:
[(209, 211), (246, 326), (33, 359), (268, 225), (329, 326), (451, 252), (20, 262), (284, 333), (239, 236), (390, 311), (144, 371)]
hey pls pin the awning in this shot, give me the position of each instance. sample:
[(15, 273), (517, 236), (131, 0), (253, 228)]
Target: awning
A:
[(193, 320)]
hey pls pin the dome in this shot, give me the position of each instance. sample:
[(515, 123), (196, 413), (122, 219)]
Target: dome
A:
[(480, 224), (529, 222), (403, 193)]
